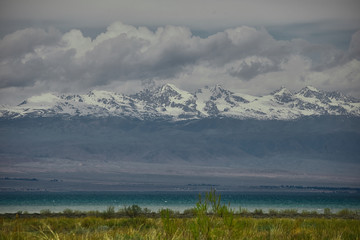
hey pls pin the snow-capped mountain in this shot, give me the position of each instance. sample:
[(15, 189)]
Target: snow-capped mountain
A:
[(170, 102)]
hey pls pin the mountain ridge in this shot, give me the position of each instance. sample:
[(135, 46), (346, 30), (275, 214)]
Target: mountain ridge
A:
[(171, 103)]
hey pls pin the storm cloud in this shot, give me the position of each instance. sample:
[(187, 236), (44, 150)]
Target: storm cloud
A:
[(241, 56)]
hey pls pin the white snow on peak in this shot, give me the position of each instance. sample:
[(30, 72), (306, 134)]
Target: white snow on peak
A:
[(174, 88), (169, 85), (283, 90), (101, 93), (217, 89), (170, 102), (311, 88)]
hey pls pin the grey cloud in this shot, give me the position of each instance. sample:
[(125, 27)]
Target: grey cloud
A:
[(127, 53), (234, 44), (325, 56), (322, 56), (247, 71), (14, 73), (113, 59), (354, 48), (321, 21), (175, 49), (121, 58), (56, 70), (26, 40)]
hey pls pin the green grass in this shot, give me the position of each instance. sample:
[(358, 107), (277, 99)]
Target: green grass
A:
[(209, 219), (168, 227)]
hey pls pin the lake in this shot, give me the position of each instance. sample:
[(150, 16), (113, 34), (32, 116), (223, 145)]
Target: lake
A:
[(32, 202)]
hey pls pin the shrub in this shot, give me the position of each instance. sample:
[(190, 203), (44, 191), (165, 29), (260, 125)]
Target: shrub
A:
[(146, 211), (327, 211), (200, 227), (289, 212), (314, 213), (109, 212), (243, 210), (133, 211), (45, 211), (190, 212), (214, 201), (68, 211), (168, 221), (305, 213), (273, 212), (345, 213)]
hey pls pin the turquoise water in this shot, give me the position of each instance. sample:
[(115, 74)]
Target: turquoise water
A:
[(86, 201)]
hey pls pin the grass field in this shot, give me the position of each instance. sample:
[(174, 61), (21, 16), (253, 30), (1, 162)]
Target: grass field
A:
[(209, 219), (179, 228)]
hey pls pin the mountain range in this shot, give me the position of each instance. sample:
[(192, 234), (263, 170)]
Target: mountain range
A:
[(166, 136), (172, 103)]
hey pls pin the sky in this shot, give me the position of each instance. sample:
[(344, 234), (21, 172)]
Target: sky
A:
[(250, 46)]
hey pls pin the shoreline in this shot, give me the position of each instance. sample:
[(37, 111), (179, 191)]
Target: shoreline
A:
[(208, 219), (176, 201), (129, 212)]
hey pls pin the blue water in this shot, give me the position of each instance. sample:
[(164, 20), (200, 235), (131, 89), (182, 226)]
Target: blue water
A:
[(86, 201)]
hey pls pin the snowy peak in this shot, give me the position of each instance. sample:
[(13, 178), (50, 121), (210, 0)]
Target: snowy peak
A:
[(164, 95), (100, 94), (100, 98), (283, 95), (310, 88), (281, 91), (310, 92), (217, 92), (166, 88), (170, 102), (216, 101), (338, 96), (313, 95)]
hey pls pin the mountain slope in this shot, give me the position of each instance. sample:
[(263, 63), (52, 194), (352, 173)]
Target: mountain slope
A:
[(314, 150), (170, 102)]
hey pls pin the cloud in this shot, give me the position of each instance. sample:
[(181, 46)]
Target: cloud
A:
[(354, 48), (250, 67), (239, 57), (26, 41)]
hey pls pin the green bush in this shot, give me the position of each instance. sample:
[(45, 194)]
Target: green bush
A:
[(243, 211), (189, 212), (289, 212), (273, 212), (68, 211), (169, 223), (345, 213), (133, 211), (327, 211), (109, 212), (45, 211), (258, 212)]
